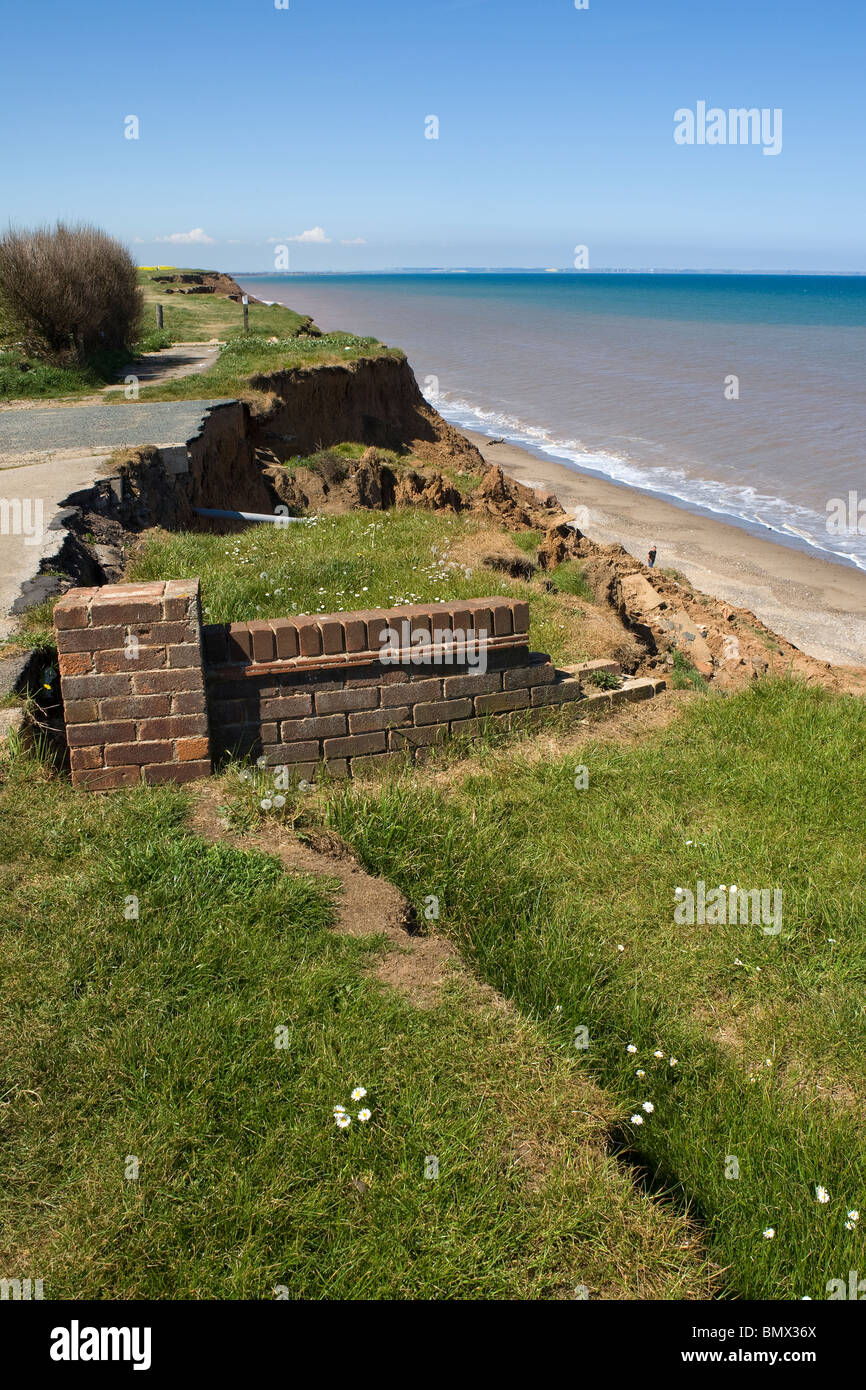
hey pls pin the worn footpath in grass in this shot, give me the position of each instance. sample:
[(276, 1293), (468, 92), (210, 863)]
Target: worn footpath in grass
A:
[(564, 900), (358, 560), (178, 1023)]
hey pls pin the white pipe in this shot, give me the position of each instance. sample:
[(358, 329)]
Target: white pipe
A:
[(250, 516)]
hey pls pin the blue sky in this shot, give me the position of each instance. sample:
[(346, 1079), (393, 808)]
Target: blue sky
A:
[(259, 125)]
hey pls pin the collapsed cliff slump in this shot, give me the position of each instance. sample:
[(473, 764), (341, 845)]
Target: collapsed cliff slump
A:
[(373, 401)]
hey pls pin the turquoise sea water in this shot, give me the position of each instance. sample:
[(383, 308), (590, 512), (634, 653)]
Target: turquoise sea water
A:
[(628, 377)]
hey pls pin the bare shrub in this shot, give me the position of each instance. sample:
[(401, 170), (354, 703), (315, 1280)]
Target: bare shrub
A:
[(69, 292)]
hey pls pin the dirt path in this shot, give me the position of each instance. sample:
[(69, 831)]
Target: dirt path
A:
[(150, 369), (416, 966)]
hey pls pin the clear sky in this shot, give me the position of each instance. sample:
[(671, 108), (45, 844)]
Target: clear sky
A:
[(260, 125)]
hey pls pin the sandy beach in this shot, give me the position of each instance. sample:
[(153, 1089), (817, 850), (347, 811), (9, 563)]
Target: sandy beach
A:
[(818, 605)]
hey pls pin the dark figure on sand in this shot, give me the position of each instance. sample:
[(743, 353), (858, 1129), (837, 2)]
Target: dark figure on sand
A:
[(651, 557)]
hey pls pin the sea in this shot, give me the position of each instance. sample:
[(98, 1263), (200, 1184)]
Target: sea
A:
[(737, 395)]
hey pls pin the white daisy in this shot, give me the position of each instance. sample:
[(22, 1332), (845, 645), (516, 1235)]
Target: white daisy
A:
[(364, 1115), (769, 1233), (358, 1093), (658, 1054), (631, 1048), (640, 1072), (648, 1107), (637, 1119), (822, 1195), (343, 1121)]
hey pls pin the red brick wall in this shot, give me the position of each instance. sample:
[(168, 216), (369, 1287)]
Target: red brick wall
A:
[(149, 695), (132, 681)]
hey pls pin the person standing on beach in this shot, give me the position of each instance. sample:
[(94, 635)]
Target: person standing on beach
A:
[(651, 557)]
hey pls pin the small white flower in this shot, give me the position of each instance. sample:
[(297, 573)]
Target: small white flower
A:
[(853, 1215), (364, 1115), (737, 960), (631, 1048), (557, 1008), (769, 1233), (637, 1119), (620, 948), (648, 1107), (339, 1109), (673, 1062), (640, 1072), (658, 1054), (266, 803), (850, 1225), (343, 1121), (822, 1195), (358, 1093)]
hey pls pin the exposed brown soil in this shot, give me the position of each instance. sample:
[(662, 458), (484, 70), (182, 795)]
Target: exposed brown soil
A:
[(416, 965)]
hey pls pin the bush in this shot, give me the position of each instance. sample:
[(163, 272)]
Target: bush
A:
[(69, 292)]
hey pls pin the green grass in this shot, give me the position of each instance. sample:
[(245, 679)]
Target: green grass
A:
[(198, 318), (563, 900), (152, 1041), (685, 676), (358, 560)]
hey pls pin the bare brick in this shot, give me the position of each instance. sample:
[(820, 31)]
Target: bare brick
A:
[(81, 711), (84, 735), (418, 690), (439, 710), (502, 620), (81, 759), (74, 663), (71, 611), (355, 635), (264, 646), (188, 654), (508, 699), (456, 686), (191, 749), (293, 753), (336, 701), (135, 706), (524, 678), (94, 687), (287, 707), (177, 772), (122, 754), (109, 611), (90, 639), (286, 640), (520, 615), (103, 779), (239, 642), (188, 702), (355, 745), (158, 682), (319, 726), (333, 636), (369, 720), (557, 694), (145, 659), (309, 637), (173, 726)]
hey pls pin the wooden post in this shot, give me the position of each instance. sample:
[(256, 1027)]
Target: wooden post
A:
[(159, 316), (245, 300)]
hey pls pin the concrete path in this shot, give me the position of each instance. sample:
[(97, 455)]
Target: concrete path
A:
[(31, 521), (36, 436)]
